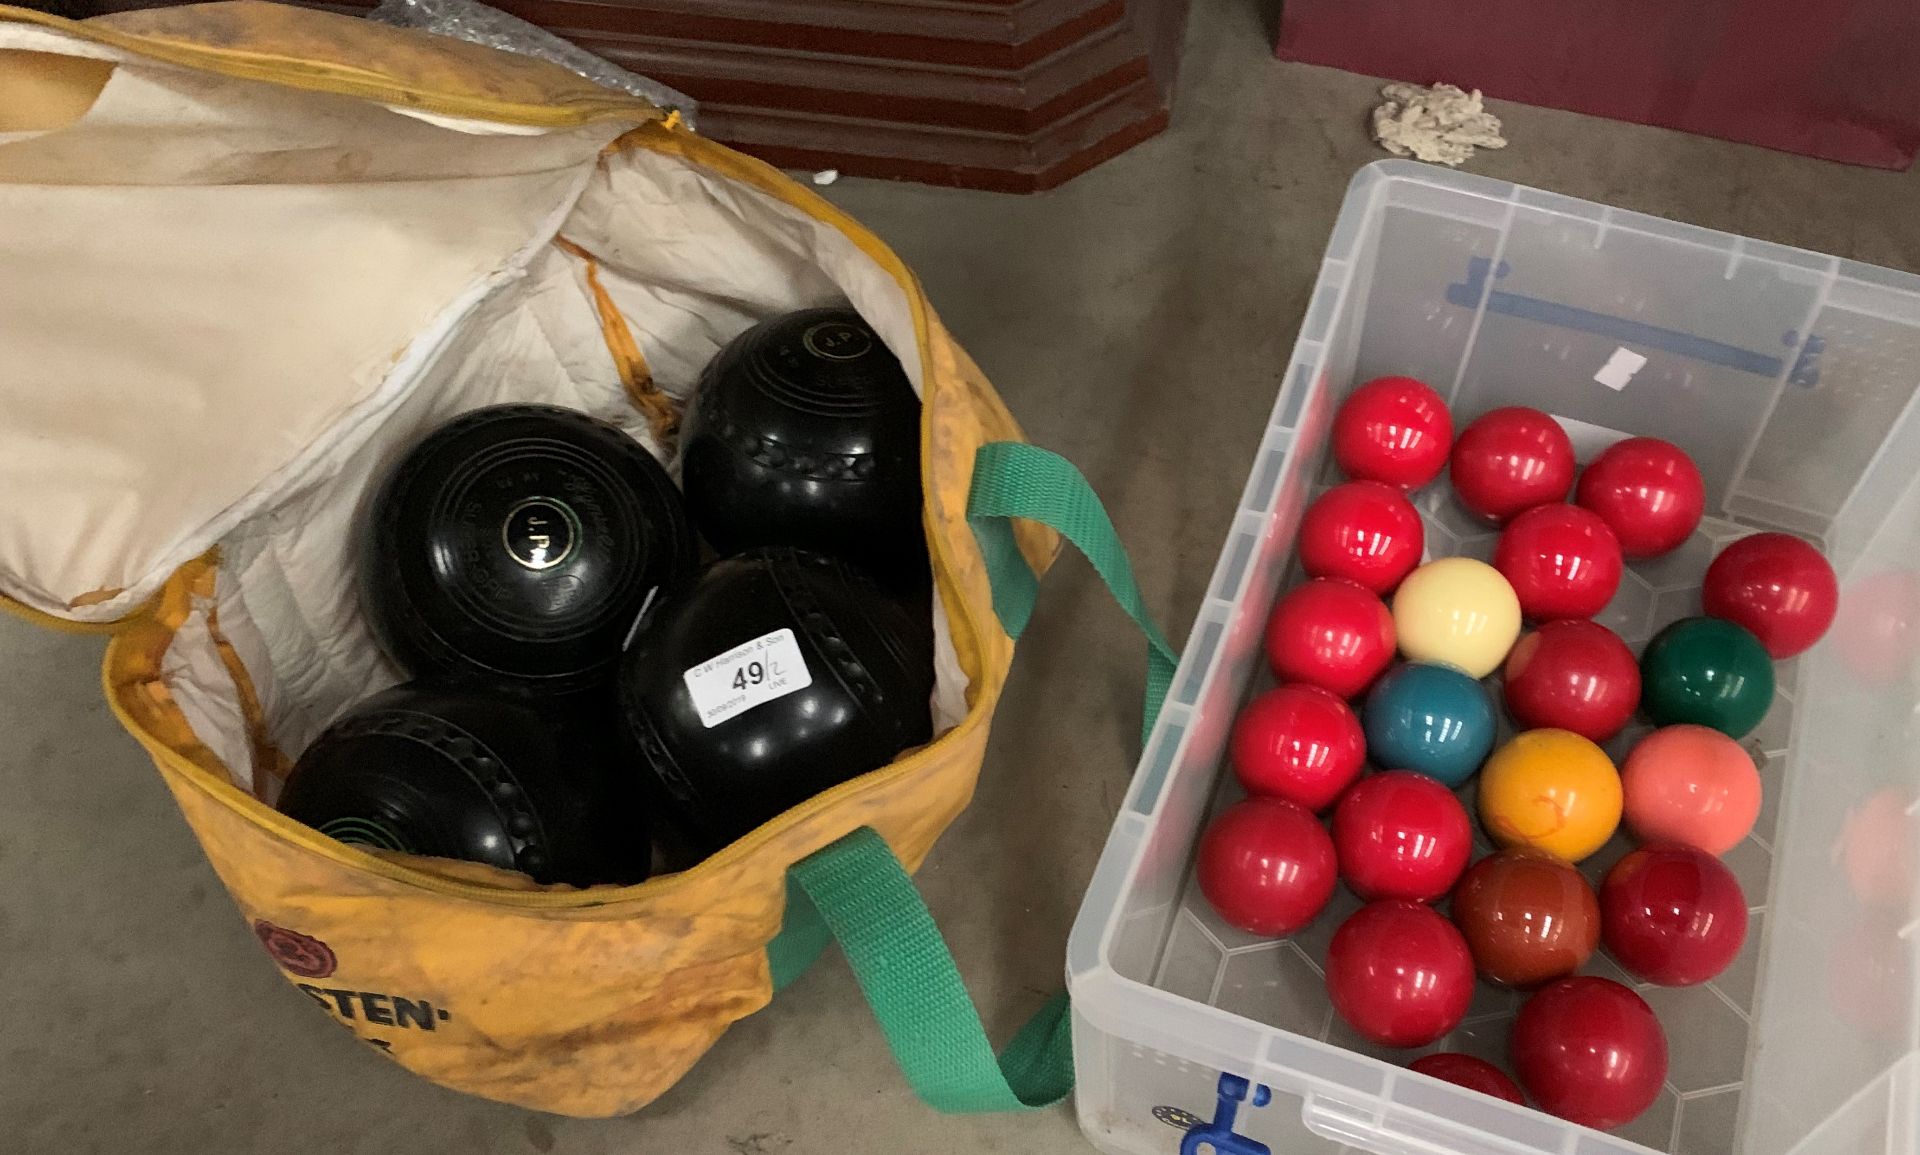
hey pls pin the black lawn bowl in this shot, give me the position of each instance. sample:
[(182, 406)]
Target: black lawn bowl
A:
[(520, 542), (806, 432), (777, 675), (456, 771)]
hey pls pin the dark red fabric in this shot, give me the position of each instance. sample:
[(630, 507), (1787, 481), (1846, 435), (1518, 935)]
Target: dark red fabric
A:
[(1838, 79)]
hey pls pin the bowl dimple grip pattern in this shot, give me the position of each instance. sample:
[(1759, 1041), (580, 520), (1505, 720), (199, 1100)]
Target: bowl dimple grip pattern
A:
[(487, 770)]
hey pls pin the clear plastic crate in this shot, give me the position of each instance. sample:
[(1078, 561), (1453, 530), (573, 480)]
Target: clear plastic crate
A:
[(1791, 377)]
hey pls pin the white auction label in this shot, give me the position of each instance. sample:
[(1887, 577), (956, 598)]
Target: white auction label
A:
[(752, 673), (1620, 369)]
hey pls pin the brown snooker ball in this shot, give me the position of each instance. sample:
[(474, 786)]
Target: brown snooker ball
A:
[(1528, 917)]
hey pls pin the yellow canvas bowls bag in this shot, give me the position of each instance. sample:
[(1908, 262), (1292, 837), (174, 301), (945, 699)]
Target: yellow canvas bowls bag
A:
[(249, 254)]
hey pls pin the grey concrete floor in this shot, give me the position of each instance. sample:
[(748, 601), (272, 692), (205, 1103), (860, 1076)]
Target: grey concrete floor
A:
[(1136, 320)]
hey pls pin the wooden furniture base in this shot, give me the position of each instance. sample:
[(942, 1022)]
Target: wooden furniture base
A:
[(1013, 95)]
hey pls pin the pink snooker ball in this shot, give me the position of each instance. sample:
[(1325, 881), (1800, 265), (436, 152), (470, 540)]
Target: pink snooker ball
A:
[(1692, 785)]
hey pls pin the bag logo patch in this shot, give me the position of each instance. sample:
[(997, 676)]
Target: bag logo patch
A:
[(297, 953)]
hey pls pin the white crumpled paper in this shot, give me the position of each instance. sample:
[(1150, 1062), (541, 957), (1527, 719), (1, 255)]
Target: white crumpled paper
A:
[(1441, 124)]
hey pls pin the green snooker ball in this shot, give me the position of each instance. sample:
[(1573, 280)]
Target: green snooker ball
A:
[(1708, 672)]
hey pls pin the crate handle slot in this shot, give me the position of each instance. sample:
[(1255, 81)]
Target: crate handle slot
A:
[(1368, 1129)]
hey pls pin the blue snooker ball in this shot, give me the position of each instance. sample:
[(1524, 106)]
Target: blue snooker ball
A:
[(1431, 719)]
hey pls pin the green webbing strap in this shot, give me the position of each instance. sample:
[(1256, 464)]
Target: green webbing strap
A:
[(870, 904), (1013, 479), (801, 939), (857, 892)]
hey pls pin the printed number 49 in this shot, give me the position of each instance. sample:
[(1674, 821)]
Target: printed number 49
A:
[(751, 674)]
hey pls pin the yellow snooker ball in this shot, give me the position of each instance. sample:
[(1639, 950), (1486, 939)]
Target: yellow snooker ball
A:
[(1550, 789), (1459, 612)]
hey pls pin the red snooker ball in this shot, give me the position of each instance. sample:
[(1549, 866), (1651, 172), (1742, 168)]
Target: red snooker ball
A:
[(1401, 835), (1298, 742), (1510, 460), (1392, 429), (1572, 675), (1648, 490), (1332, 634), (1267, 866), (1471, 1073), (1672, 914), (1399, 974), (1775, 585), (1590, 1051), (1561, 560), (1364, 531)]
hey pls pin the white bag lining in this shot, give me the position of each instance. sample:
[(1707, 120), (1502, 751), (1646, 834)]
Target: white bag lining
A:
[(205, 692), (140, 332), (166, 258)]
